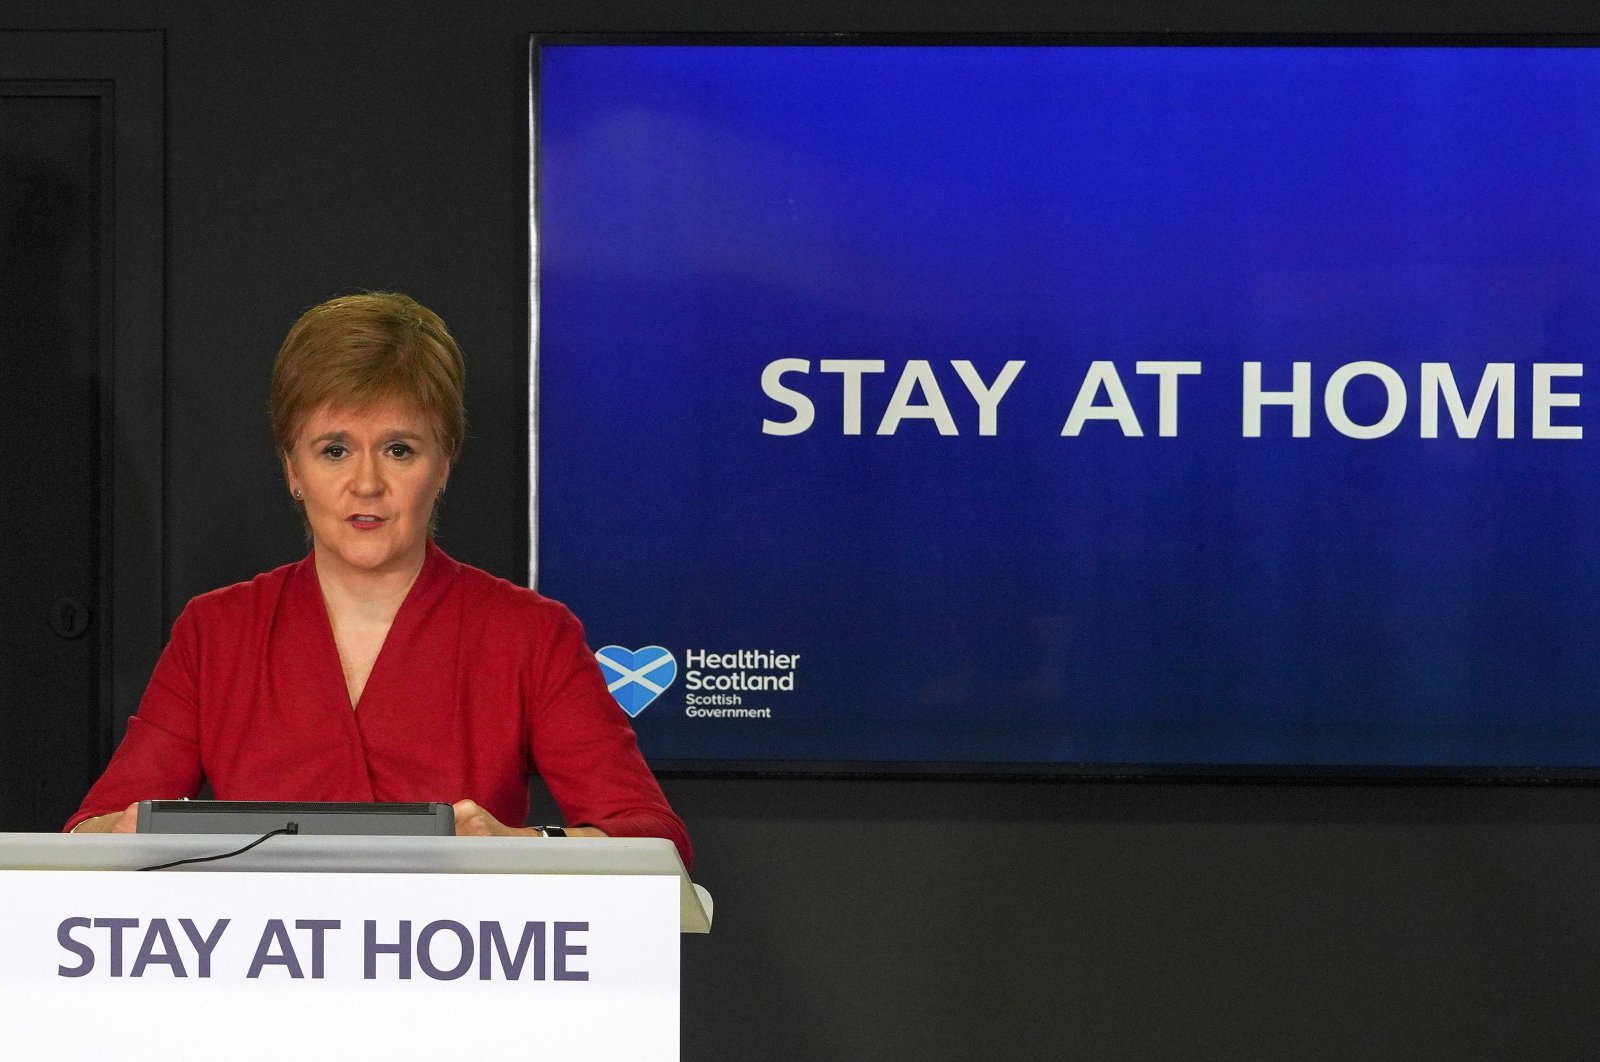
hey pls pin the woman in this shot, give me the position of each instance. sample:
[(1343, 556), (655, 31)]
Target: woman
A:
[(377, 668)]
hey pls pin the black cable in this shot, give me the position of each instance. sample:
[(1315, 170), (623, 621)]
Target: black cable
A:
[(292, 828)]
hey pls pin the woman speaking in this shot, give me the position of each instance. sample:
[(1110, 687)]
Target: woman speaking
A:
[(377, 668)]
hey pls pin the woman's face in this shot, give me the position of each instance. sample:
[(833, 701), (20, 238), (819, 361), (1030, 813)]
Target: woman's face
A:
[(368, 477)]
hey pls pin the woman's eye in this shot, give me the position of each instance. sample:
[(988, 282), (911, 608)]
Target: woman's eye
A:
[(399, 450), (334, 450)]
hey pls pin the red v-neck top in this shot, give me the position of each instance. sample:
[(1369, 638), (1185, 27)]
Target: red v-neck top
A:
[(479, 683)]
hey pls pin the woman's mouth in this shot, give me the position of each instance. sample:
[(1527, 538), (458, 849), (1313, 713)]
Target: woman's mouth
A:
[(364, 521)]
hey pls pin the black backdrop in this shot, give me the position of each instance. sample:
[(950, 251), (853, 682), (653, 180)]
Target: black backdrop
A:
[(318, 146)]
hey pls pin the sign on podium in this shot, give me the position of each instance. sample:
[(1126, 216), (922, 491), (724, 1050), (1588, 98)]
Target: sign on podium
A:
[(349, 947)]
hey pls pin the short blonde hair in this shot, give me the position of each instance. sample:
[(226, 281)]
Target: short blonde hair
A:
[(355, 350)]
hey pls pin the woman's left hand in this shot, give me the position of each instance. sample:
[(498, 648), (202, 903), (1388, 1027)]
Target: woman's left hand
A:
[(475, 821), (472, 820)]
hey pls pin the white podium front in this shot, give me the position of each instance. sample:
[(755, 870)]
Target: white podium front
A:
[(342, 947)]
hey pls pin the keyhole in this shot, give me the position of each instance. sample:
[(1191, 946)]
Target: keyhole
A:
[(69, 618)]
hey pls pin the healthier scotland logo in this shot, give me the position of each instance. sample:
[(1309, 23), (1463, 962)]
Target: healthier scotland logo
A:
[(636, 677)]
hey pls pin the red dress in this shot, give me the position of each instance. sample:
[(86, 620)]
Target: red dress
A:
[(479, 683)]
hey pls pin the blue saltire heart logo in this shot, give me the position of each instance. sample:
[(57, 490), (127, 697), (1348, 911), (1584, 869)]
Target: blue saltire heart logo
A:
[(636, 677)]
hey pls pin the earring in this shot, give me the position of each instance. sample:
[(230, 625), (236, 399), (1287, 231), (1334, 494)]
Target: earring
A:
[(296, 493)]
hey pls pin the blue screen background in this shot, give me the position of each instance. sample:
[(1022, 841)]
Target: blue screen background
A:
[(1026, 597)]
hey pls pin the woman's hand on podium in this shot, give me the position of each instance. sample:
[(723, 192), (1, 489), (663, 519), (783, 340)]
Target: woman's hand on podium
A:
[(124, 821), (473, 820)]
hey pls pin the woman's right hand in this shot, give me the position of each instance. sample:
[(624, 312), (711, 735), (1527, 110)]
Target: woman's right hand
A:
[(124, 821)]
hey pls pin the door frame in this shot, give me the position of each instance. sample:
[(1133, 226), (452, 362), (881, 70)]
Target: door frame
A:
[(125, 70)]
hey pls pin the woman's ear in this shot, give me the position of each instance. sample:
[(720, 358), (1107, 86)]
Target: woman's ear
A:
[(289, 474)]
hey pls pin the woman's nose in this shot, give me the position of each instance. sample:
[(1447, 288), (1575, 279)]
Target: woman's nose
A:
[(368, 478)]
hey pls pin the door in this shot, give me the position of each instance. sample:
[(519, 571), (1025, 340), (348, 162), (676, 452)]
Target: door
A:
[(50, 238), (80, 395)]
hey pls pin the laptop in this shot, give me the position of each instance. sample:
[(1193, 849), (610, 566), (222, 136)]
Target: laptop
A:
[(310, 817)]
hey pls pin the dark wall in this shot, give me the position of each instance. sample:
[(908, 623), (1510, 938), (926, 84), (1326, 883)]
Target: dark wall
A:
[(316, 147)]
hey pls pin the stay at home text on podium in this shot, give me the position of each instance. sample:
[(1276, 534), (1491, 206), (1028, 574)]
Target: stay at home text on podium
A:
[(310, 947)]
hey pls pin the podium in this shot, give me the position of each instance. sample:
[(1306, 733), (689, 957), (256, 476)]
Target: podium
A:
[(310, 947)]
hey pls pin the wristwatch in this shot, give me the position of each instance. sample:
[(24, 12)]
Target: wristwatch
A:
[(553, 831)]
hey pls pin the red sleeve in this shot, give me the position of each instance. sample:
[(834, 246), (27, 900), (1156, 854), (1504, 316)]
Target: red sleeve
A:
[(159, 758), (585, 749)]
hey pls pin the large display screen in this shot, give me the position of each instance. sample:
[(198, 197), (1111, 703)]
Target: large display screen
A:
[(1074, 405)]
